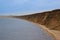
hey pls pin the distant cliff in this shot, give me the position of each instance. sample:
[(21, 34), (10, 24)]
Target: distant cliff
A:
[(51, 19)]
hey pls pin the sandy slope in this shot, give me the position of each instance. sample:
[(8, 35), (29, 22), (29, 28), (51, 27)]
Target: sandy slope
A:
[(51, 19)]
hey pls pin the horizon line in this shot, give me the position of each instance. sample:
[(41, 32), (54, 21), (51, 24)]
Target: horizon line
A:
[(26, 13)]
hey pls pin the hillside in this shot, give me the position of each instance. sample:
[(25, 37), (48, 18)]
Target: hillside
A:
[(51, 19)]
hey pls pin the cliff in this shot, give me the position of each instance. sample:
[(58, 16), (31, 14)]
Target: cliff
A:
[(51, 19)]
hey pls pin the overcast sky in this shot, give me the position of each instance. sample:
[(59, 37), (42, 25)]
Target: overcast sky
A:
[(27, 6)]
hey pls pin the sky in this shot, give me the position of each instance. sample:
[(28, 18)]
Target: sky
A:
[(14, 7)]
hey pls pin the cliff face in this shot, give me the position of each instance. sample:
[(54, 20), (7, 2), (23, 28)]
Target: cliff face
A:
[(51, 19)]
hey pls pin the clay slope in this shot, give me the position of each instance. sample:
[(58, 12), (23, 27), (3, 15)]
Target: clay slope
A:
[(51, 19)]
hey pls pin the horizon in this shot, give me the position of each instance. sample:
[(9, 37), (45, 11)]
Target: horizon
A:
[(24, 7), (22, 14)]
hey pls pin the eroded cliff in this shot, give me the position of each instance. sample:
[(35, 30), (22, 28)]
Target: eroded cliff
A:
[(51, 19)]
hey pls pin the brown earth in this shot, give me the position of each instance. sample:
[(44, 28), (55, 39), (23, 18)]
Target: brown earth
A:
[(51, 19)]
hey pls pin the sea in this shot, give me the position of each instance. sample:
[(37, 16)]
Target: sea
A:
[(18, 29)]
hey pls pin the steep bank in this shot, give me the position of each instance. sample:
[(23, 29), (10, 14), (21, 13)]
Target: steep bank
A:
[(51, 19)]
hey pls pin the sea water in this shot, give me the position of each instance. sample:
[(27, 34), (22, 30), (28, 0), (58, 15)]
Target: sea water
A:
[(18, 29)]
